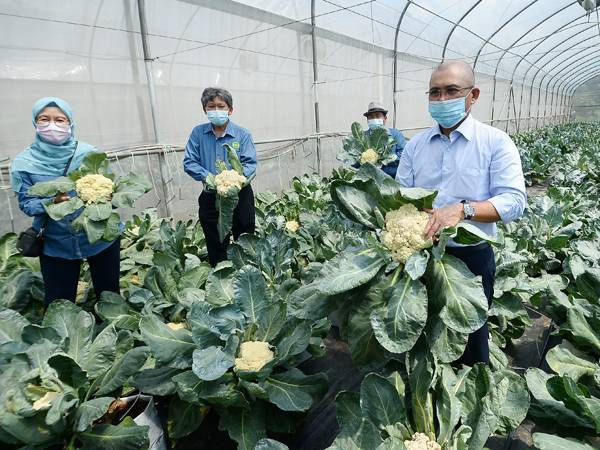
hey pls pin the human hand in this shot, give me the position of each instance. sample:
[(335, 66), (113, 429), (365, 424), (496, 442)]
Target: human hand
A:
[(447, 216), (61, 197)]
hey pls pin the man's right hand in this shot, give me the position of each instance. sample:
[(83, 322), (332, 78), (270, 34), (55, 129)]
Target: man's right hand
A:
[(61, 197)]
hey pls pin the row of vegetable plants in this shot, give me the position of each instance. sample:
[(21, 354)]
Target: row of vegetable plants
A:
[(342, 251)]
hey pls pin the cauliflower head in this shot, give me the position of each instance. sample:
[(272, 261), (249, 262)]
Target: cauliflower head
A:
[(94, 188), (176, 326), (292, 226), (369, 156), (403, 234), (421, 441), (253, 356), (228, 180)]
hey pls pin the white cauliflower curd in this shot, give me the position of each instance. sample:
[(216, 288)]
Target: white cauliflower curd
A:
[(369, 156), (292, 226), (421, 441), (403, 233), (253, 356), (227, 180), (94, 188)]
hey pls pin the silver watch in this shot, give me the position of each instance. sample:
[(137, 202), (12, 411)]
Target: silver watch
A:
[(468, 210)]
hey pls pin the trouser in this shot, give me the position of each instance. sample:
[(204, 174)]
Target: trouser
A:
[(62, 275), (243, 222), (480, 261)]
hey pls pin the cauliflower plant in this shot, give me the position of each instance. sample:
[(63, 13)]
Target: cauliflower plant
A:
[(45, 401), (403, 233), (292, 226), (253, 356), (421, 441), (227, 180), (176, 326), (94, 188), (369, 156)]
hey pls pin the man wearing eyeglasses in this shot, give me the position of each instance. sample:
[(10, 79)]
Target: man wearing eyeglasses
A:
[(477, 172)]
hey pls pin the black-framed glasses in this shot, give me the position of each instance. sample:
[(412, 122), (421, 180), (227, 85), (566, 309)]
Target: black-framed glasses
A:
[(452, 91)]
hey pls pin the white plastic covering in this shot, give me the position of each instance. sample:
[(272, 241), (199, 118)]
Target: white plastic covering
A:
[(530, 56)]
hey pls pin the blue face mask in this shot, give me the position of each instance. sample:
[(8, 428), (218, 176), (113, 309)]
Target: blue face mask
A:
[(448, 112), (218, 117), (375, 123)]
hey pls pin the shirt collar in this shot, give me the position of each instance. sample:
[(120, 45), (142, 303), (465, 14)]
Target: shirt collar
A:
[(229, 129), (466, 129)]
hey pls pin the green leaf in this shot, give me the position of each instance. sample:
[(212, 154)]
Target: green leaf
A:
[(380, 401), (565, 359), (445, 343), (94, 162), (420, 380), (68, 370), (350, 269), (461, 293), (294, 391), (250, 293), (308, 302), (516, 404), (356, 431), (226, 204), (171, 347), (359, 205), (98, 211), (129, 189), (416, 264), (126, 366), (233, 159), (157, 381), (114, 309), (125, 436), (11, 325), (398, 326), (58, 211), (93, 230), (222, 392), (293, 340), (245, 426), (447, 405), (101, 353), (51, 188), (543, 441), (90, 411), (73, 323), (211, 363), (112, 229), (588, 284), (184, 417)]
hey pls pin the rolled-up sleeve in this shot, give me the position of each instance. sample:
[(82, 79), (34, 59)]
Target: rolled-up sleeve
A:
[(247, 155), (191, 159), (30, 205), (507, 184), (405, 175)]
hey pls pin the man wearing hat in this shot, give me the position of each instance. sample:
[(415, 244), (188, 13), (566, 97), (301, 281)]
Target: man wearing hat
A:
[(376, 117)]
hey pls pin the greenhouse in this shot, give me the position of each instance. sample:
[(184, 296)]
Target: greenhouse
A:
[(302, 224)]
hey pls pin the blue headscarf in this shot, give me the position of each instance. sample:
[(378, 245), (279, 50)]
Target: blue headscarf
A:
[(43, 158)]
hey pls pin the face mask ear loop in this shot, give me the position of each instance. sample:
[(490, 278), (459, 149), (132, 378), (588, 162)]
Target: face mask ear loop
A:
[(471, 105)]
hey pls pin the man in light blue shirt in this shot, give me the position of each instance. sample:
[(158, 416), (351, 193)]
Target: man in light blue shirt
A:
[(377, 117), (203, 150), (476, 170)]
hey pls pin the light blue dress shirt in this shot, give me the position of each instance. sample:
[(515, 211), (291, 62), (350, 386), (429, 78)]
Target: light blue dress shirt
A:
[(204, 148), (476, 163)]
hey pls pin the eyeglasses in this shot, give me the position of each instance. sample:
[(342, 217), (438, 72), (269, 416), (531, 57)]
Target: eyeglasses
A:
[(451, 91), (60, 122)]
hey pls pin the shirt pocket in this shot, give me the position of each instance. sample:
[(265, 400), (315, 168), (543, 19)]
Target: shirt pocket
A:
[(472, 183)]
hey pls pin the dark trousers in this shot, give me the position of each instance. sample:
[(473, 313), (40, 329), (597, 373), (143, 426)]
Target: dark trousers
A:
[(480, 261), (62, 275), (243, 222)]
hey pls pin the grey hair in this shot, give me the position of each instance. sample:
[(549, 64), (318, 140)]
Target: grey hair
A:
[(211, 93)]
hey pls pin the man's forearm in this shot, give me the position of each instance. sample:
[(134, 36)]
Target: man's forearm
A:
[(485, 212)]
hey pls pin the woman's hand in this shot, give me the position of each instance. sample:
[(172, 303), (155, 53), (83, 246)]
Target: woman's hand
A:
[(61, 197)]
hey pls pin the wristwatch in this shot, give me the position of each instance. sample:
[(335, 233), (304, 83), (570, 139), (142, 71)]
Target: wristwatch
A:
[(468, 210)]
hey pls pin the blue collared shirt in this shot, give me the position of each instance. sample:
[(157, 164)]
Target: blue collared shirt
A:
[(204, 148), (476, 163), (60, 239)]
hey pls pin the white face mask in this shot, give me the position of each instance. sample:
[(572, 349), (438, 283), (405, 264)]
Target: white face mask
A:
[(375, 123), (52, 133)]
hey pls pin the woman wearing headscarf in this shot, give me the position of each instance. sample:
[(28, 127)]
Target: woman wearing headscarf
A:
[(54, 152)]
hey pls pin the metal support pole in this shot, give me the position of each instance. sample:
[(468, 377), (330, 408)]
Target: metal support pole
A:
[(153, 103), (315, 81), (395, 65)]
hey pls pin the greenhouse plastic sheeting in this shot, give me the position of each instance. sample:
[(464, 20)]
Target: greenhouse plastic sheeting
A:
[(529, 55)]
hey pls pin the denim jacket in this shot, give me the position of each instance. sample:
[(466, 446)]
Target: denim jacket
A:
[(60, 239)]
